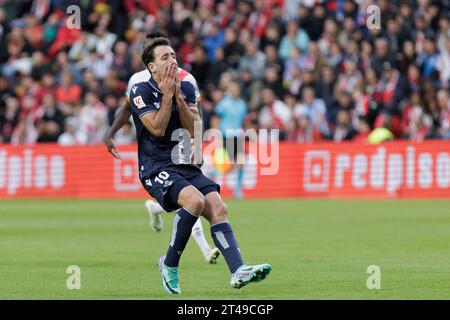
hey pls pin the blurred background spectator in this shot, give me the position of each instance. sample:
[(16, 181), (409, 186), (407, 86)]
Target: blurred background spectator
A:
[(310, 68)]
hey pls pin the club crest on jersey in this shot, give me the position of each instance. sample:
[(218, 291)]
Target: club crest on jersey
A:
[(138, 102)]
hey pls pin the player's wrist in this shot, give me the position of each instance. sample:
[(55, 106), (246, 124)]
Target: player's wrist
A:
[(167, 96), (178, 96)]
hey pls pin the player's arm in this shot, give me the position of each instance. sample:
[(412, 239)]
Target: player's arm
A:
[(189, 114), (156, 122), (188, 111), (122, 117)]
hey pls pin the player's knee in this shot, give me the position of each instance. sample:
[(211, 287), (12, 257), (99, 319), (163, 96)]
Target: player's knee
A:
[(196, 203)]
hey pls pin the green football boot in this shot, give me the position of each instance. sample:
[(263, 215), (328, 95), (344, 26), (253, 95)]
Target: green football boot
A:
[(249, 274), (170, 281)]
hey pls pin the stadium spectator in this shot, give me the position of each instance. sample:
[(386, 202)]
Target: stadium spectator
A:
[(343, 129), (443, 65), (351, 78), (9, 118), (69, 138), (272, 80), (362, 130), (314, 109), (232, 49), (186, 50), (443, 103), (180, 22), (93, 120), (383, 55), (250, 89), (219, 67), (303, 131), (427, 61), (334, 55), (272, 59), (40, 65), (254, 60), (68, 92), (343, 101), (200, 67), (258, 19), (294, 37), (325, 85), (50, 122), (391, 90), (274, 114), (64, 64), (121, 61), (212, 41)]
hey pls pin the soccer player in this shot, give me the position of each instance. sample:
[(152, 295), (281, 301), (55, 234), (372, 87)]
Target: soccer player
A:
[(160, 108), (154, 209)]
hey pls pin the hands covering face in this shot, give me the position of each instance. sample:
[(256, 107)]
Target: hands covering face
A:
[(170, 83)]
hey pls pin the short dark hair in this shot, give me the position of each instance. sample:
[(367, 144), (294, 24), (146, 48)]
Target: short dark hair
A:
[(155, 34), (150, 37), (148, 55)]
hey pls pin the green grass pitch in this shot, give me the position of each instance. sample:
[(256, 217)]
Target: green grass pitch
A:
[(319, 249)]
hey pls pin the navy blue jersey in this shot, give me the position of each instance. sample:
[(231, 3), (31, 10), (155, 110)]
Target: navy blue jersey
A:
[(154, 152)]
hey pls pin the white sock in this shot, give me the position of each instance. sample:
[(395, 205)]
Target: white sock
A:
[(159, 208), (199, 236), (153, 207)]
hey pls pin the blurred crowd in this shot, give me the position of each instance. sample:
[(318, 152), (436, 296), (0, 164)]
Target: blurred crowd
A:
[(310, 68)]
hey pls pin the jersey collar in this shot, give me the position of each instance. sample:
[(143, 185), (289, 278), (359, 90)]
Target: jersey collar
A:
[(154, 84)]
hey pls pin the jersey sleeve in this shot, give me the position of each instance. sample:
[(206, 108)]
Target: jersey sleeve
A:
[(190, 93), (136, 78), (142, 101), (128, 90), (190, 78), (131, 84)]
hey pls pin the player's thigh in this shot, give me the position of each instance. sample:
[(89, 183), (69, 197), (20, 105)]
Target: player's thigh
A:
[(203, 184), (164, 186), (215, 209)]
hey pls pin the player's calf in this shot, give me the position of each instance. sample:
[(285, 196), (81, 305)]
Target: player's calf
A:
[(216, 213), (192, 202), (224, 239)]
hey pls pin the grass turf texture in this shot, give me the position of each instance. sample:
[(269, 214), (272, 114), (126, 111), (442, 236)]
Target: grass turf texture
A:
[(319, 249)]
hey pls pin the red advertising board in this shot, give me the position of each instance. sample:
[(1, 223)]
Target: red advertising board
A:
[(345, 170)]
